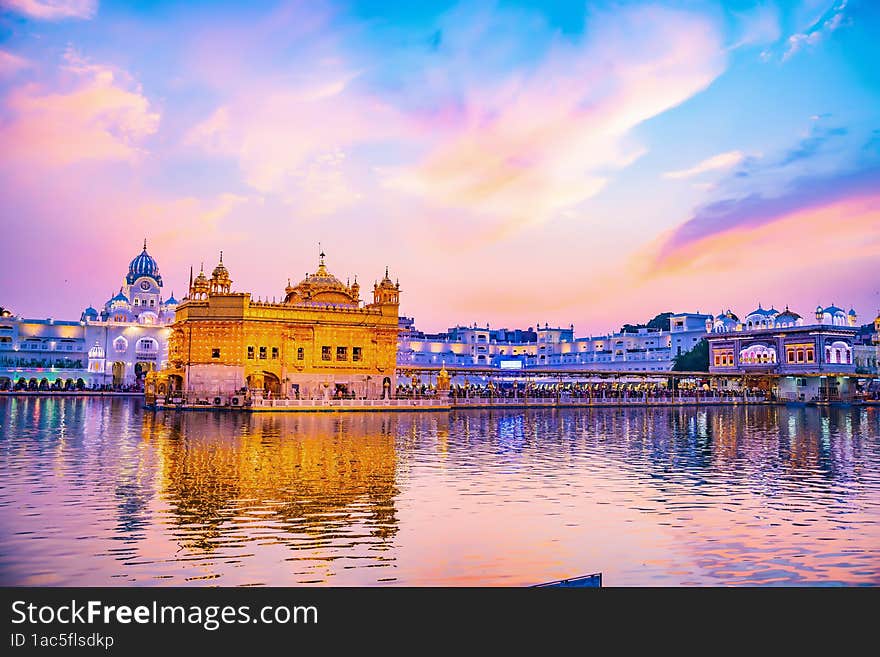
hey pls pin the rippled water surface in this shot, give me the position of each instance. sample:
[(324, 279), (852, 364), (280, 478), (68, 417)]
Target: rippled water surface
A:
[(101, 492)]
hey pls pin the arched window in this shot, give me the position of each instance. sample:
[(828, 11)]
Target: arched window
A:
[(120, 344), (147, 345)]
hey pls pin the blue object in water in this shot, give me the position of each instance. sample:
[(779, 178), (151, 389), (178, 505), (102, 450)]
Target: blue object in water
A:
[(593, 581)]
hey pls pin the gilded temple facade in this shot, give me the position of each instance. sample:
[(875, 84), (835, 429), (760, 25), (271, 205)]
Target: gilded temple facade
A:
[(320, 342)]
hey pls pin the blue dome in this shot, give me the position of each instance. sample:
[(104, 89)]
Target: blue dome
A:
[(143, 265), (171, 301), (787, 315), (833, 310), (89, 313), (764, 311), (119, 297)]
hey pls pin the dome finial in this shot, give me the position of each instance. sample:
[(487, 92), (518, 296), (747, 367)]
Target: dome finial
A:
[(145, 245), (386, 271), (202, 267), (221, 257), (320, 254)]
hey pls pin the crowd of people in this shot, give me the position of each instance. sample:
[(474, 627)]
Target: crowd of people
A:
[(580, 390), (63, 385)]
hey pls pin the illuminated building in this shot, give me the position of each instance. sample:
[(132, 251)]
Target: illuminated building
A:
[(813, 359), (319, 342), (641, 349), (129, 337), (866, 350), (115, 347)]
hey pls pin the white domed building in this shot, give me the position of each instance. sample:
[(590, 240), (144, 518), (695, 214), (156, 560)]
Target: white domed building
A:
[(129, 336), (760, 318), (788, 319), (807, 360), (724, 322), (834, 316)]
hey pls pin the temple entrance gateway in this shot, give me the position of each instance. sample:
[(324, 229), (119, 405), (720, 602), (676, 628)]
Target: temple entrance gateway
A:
[(271, 384)]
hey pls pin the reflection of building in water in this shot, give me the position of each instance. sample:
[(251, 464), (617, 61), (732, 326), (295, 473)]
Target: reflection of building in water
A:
[(304, 479)]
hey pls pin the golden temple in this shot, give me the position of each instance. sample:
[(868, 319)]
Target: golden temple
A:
[(320, 342)]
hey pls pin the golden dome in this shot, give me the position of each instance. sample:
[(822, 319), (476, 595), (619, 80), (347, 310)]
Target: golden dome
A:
[(386, 283), (320, 287), (201, 280), (220, 272)]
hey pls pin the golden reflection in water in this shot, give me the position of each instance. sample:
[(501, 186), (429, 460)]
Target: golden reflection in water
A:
[(306, 476)]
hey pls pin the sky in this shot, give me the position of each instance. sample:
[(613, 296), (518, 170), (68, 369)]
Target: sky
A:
[(512, 163)]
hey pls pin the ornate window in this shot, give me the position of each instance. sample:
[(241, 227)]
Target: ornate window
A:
[(341, 353), (262, 353), (300, 353), (325, 353), (355, 353), (215, 353), (147, 345), (120, 344), (274, 353), (756, 354), (250, 352)]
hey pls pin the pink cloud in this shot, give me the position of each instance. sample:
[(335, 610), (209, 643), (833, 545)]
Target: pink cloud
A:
[(538, 144), (848, 229), (714, 163), (53, 10), (11, 64), (295, 143), (92, 112), (500, 153)]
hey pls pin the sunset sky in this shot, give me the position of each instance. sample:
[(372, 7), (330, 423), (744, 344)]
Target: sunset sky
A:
[(511, 162)]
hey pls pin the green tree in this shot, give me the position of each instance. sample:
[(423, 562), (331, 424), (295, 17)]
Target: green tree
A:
[(661, 322), (695, 360)]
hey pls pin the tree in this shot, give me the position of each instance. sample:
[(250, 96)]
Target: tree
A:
[(695, 360), (660, 322)]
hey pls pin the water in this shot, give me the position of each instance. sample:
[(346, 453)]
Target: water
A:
[(100, 492)]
